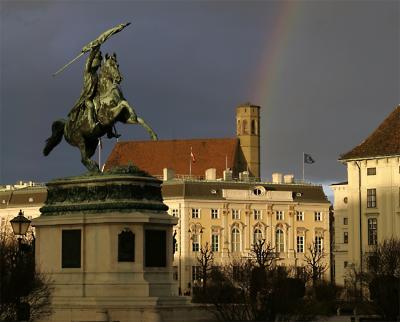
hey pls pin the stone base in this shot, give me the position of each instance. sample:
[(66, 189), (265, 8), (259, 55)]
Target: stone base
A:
[(149, 309), (97, 274)]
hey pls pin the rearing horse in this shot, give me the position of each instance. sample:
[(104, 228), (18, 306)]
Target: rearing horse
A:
[(85, 130)]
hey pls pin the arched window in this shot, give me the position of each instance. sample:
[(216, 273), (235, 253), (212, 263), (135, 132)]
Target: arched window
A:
[(235, 240), (253, 127), (195, 243), (244, 127), (279, 241), (257, 235)]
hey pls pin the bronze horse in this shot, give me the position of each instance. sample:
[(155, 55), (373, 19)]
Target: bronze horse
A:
[(84, 130)]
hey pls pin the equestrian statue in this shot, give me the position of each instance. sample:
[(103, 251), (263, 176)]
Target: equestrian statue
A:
[(100, 105)]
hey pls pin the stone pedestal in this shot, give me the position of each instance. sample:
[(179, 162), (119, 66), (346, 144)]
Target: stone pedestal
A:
[(106, 241)]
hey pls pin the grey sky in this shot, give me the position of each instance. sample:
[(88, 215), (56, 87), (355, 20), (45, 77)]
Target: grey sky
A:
[(326, 73)]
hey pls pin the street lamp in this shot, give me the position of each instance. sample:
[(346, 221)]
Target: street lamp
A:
[(20, 224)]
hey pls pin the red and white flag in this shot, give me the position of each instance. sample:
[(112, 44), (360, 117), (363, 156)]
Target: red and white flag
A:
[(192, 155)]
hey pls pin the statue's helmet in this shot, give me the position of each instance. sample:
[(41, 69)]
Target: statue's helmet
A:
[(97, 60)]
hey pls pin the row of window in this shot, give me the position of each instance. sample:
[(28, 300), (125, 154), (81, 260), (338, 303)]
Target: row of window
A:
[(257, 214), (242, 127), (257, 235), (372, 171), (237, 273), (371, 198), (372, 232)]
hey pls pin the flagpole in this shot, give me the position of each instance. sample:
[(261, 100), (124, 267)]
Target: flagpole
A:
[(303, 167), (190, 162), (99, 144)]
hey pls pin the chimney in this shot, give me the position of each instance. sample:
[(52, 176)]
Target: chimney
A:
[(277, 177), (211, 174), (288, 178), (244, 176), (227, 175), (168, 174)]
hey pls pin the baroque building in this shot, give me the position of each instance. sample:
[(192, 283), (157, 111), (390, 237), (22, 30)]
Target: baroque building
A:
[(230, 216), (367, 206)]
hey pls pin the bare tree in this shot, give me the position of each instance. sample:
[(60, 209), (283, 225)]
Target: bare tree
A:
[(263, 254), (383, 276), (385, 258), (316, 264), (244, 290), (24, 292), (205, 258)]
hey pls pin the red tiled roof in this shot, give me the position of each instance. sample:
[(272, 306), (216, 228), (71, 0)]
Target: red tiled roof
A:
[(384, 141), (153, 156)]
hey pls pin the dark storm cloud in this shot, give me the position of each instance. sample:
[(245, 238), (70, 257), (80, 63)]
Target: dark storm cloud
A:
[(339, 81), (186, 65)]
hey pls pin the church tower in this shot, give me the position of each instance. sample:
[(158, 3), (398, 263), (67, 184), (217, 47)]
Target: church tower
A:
[(248, 133)]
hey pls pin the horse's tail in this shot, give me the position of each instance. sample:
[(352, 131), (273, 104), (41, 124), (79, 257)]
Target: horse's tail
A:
[(57, 132)]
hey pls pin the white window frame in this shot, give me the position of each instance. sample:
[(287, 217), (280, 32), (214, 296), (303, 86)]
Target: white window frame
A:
[(196, 273), (235, 214), (235, 239), (175, 212), (299, 215), (215, 242), (214, 213), (317, 216), (195, 212), (371, 198), (257, 214), (300, 243), (280, 215), (195, 242), (319, 243), (372, 233), (280, 243), (257, 235)]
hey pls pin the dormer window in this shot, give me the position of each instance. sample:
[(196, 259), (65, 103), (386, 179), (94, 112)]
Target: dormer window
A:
[(259, 191)]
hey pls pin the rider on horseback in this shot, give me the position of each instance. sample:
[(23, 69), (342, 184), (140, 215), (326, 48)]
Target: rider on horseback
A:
[(89, 90), (100, 105)]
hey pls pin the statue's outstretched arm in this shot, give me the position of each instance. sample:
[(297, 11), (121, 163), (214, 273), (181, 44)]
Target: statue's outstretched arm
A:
[(104, 36), (91, 57)]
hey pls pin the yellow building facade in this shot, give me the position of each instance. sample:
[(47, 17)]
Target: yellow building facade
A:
[(367, 206), (230, 216)]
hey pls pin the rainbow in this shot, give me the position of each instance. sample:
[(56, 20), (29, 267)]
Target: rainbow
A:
[(267, 75), (271, 66)]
